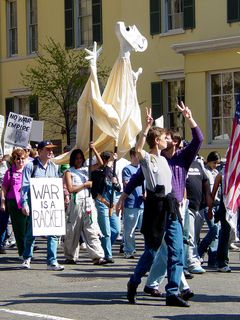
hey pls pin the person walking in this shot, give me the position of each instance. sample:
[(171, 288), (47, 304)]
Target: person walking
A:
[(40, 167), (81, 212)]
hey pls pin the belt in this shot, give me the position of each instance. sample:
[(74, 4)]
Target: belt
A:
[(107, 204)]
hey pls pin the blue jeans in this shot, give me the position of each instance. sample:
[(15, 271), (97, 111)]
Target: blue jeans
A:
[(29, 240), (4, 216), (109, 226), (131, 218), (174, 241), (144, 264), (159, 267), (222, 250), (210, 240)]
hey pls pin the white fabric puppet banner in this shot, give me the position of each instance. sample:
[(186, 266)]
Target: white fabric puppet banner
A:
[(116, 114)]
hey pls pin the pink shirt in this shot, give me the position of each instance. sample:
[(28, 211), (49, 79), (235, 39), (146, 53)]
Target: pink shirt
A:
[(13, 184)]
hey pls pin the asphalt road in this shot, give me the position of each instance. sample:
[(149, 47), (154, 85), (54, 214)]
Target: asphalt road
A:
[(85, 291)]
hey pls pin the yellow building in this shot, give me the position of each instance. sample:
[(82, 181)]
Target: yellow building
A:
[(192, 53)]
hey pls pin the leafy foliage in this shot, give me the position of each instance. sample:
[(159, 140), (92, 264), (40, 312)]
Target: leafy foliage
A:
[(58, 78)]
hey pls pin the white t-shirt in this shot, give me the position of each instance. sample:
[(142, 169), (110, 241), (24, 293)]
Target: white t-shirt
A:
[(156, 172), (79, 176)]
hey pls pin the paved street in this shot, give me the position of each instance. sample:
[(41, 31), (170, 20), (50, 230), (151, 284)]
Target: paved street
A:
[(91, 292)]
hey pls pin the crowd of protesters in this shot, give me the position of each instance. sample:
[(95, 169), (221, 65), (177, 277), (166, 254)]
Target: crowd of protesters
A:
[(167, 193)]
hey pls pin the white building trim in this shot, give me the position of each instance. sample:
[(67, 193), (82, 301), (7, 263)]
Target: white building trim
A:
[(207, 45)]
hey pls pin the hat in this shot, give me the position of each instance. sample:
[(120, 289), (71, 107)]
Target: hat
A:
[(46, 143)]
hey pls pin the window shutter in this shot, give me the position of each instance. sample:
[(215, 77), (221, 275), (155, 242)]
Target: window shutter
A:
[(157, 99), (233, 10), (155, 16), (97, 20), (188, 14), (9, 106), (69, 24), (33, 108)]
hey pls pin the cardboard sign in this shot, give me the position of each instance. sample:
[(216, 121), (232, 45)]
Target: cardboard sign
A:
[(48, 214), (18, 130), (37, 131)]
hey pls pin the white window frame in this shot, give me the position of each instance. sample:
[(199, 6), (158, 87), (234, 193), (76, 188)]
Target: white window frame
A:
[(164, 21), (211, 141), (10, 29), (30, 28), (78, 40)]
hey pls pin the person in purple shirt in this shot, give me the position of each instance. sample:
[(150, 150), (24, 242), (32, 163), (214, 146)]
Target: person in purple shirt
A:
[(179, 164)]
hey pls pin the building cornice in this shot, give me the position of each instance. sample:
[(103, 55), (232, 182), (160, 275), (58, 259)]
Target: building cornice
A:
[(206, 45), (170, 74), (20, 92)]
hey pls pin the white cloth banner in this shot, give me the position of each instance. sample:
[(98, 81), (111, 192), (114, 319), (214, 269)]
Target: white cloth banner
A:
[(18, 130), (48, 214)]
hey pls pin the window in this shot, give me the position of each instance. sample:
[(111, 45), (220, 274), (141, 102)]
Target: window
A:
[(83, 22), (9, 106), (32, 26), (12, 27), (167, 15), (225, 88), (174, 14), (27, 106), (175, 93), (157, 99), (233, 11)]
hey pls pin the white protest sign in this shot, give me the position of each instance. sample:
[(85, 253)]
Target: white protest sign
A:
[(1, 132), (37, 131), (18, 130), (159, 122), (48, 214)]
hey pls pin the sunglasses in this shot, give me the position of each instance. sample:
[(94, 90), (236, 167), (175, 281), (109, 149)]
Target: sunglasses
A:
[(18, 159)]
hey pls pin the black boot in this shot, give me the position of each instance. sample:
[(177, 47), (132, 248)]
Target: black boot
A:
[(131, 292), (176, 301)]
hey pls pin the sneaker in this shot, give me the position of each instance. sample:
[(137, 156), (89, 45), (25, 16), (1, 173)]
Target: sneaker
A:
[(26, 264), (154, 292), (99, 261), (197, 270), (187, 274), (129, 256), (224, 269), (55, 267), (187, 294), (233, 247), (83, 246), (109, 260), (70, 261)]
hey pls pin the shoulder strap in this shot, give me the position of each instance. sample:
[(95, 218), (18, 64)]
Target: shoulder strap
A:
[(11, 172), (35, 165)]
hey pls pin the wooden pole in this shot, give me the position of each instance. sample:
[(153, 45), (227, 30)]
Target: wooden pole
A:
[(112, 191), (90, 152)]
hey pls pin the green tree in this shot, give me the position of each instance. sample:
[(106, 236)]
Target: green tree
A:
[(57, 78)]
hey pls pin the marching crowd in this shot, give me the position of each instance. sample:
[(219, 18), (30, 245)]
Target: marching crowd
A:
[(167, 192)]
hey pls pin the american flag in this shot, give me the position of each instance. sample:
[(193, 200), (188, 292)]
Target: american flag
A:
[(232, 168)]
